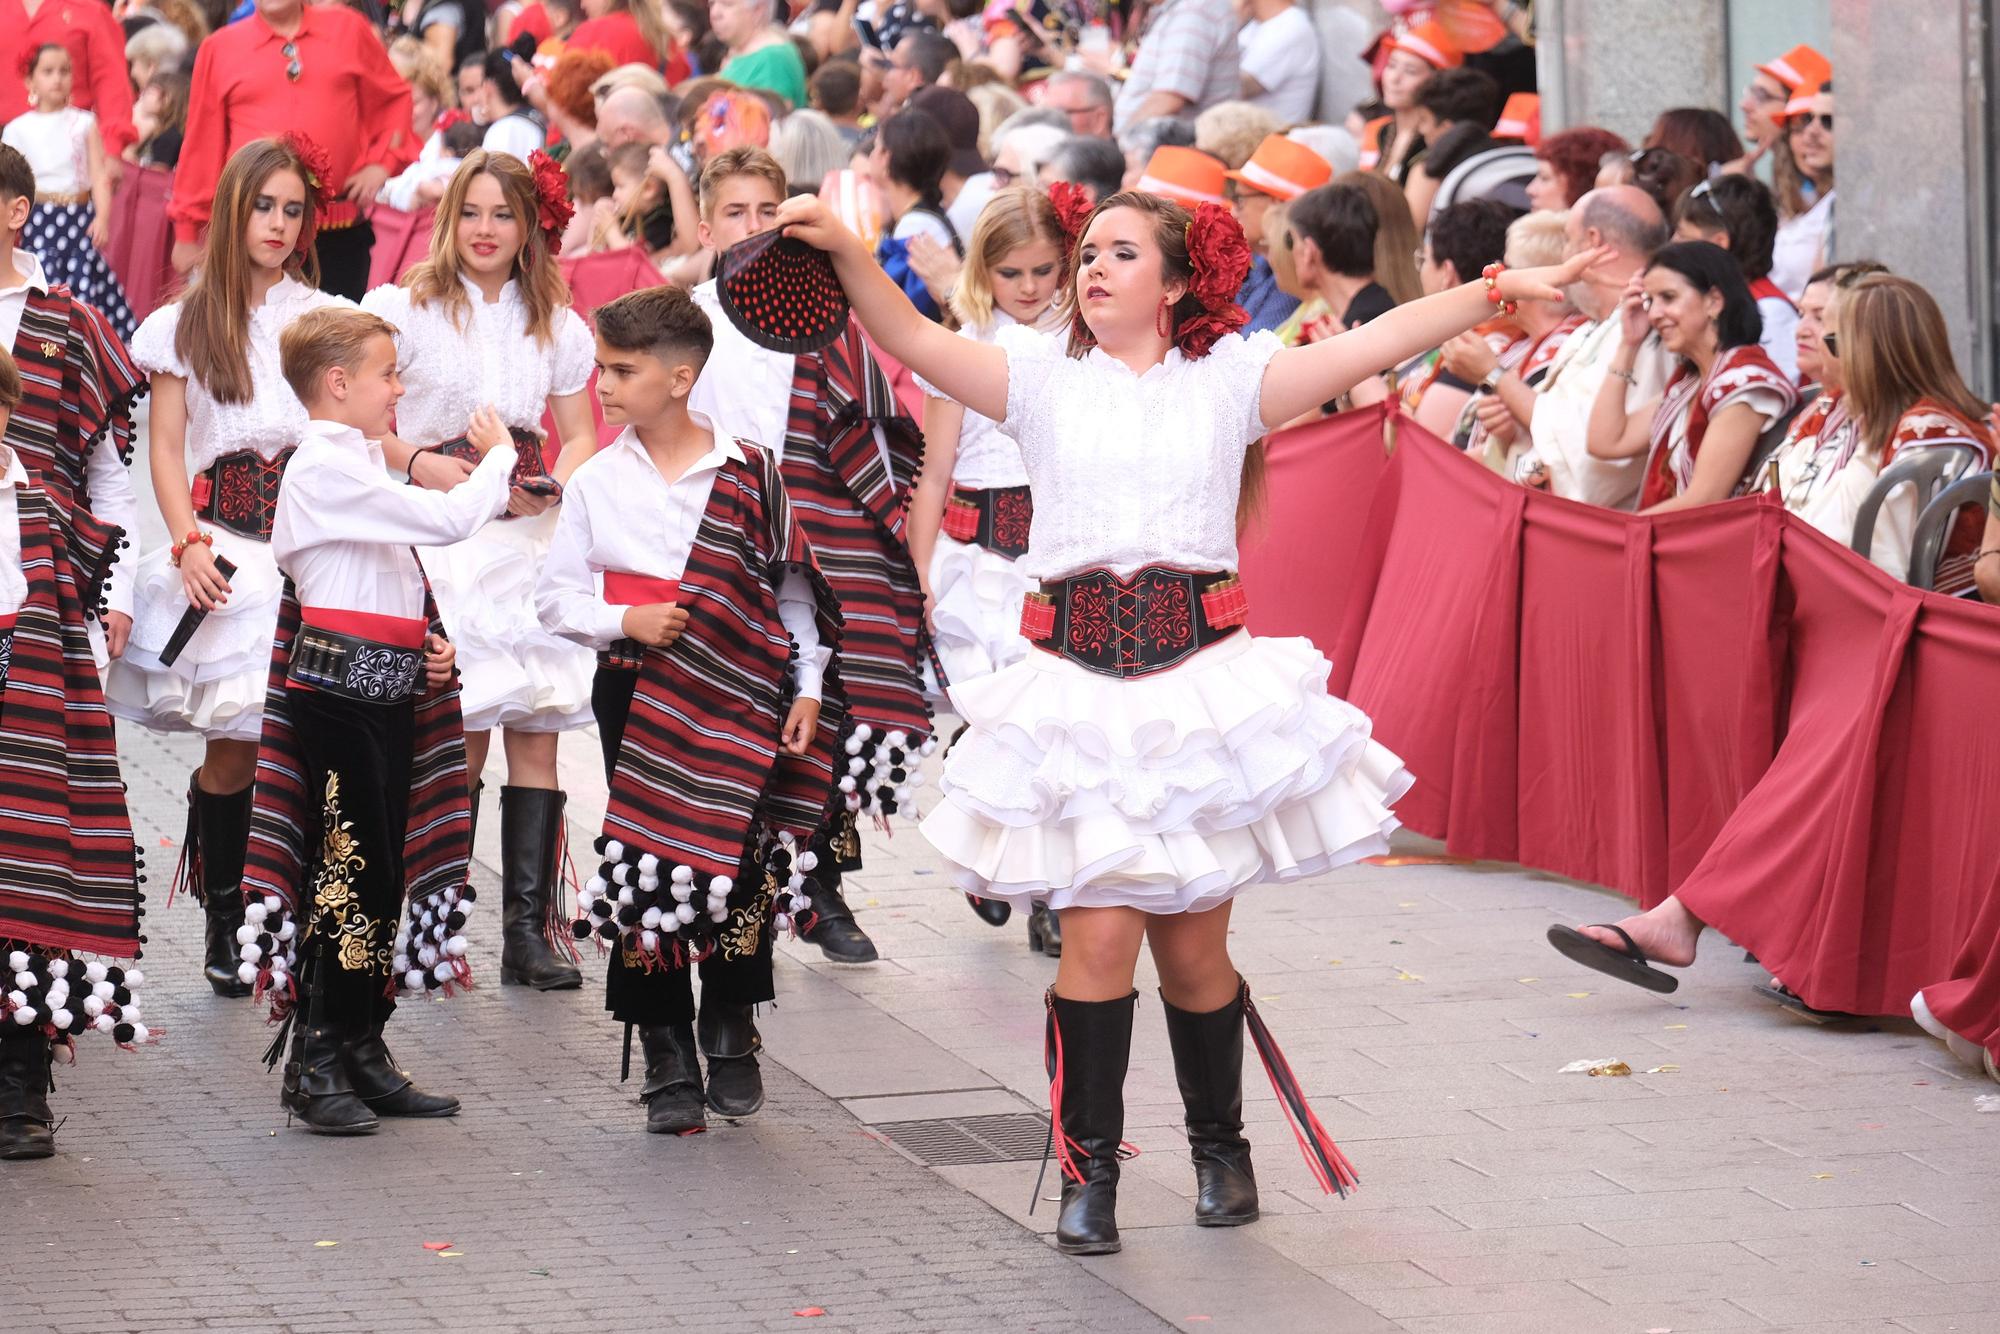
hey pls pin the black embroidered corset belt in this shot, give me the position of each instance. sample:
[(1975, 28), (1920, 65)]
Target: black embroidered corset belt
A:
[(1132, 627), (240, 492), (358, 666), (996, 518)]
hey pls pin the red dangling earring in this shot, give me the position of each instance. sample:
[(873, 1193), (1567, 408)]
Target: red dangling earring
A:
[(1163, 320)]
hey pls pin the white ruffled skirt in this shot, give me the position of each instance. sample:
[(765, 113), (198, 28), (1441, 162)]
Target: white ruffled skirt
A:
[(1167, 793), (514, 673), (976, 598), (216, 686)]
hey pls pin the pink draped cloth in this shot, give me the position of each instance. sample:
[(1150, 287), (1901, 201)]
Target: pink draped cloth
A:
[(141, 246)]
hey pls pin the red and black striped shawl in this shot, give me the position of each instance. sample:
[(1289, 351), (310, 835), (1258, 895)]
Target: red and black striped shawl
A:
[(701, 768), (68, 867), (79, 383), (851, 491)]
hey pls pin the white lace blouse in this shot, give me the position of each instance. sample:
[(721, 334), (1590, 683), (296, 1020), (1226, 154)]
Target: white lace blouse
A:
[(273, 419), (1133, 470), (448, 370)]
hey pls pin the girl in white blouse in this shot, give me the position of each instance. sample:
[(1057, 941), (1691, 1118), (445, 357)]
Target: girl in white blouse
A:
[(223, 416), (970, 510), (1153, 760), (486, 320)]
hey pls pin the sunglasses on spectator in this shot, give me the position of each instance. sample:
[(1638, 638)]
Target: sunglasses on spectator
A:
[(293, 69), (1805, 122), (1830, 340)]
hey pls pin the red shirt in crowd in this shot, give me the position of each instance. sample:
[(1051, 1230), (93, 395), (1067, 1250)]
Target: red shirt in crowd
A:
[(532, 19), (96, 45), (617, 34), (348, 99)]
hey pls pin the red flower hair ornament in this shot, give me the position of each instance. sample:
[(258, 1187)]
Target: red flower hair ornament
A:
[(318, 170), (1220, 258), (553, 206)]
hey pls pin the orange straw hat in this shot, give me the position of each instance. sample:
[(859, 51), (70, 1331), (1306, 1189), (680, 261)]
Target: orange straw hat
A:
[(1185, 175), (1283, 169), (1430, 43), (1799, 68), (1520, 119), (1800, 103)]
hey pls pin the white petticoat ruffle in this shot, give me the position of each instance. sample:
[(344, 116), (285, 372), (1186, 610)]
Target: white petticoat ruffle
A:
[(514, 674), (216, 686), (976, 598), (1167, 793)]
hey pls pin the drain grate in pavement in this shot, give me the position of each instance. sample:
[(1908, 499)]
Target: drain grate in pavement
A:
[(949, 1141)]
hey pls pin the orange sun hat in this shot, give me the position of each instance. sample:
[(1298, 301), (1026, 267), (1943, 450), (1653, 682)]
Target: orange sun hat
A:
[(1187, 176), (1283, 169)]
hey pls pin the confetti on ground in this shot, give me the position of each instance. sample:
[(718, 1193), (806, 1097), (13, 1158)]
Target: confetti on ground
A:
[(326, 1243), (1664, 1070), (809, 1311), (166, 843), (437, 1245), (1986, 1102), (1525, 980), (1334, 962), (449, 1255), (1402, 976), (539, 1273), (1600, 1065), (1675, 1028), (1411, 904), (1822, 1176), (1578, 995)]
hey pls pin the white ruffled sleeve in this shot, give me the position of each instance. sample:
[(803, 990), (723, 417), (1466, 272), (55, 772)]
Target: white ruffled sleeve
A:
[(1033, 358), (1233, 372), (575, 354), (153, 345), (391, 301)]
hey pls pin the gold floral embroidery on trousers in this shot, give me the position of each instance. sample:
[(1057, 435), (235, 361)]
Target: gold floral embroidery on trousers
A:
[(358, 943), (739, 936)]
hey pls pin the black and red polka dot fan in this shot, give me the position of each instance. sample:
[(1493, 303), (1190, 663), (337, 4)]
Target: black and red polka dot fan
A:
[(782, 293)]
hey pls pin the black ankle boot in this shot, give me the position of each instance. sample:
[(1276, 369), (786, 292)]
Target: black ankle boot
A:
[(730, 1041), (1208, 1060), (530, 836), (673, 1093), (834, 929), (993, 912), (317, 1089), (219, 826), (386, 1088), (1089, 1047), (27, 1127), (1045, 931)]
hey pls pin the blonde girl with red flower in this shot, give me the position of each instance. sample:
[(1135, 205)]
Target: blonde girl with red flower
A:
[(1151, 758), (486, 321), (223, 424)]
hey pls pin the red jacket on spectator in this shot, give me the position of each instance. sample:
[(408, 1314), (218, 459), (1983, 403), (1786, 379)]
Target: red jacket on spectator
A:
[(348, 99), (617, 34), (96, 45)]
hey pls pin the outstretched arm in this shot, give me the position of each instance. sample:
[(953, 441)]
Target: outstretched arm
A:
[(974, 374), (1299, 378)]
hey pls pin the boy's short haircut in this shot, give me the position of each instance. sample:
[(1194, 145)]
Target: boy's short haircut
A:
[(664, 321), (319, 340), (739, 162), (10, 383), (17, 178)]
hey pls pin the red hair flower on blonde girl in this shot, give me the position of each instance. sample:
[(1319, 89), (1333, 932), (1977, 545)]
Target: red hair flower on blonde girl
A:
[(552, 198)]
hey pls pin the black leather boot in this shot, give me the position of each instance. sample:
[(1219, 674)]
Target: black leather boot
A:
[(673, 1093), (472, 797), (1089, 1047), (1208, 1061), (220, 826), (385, 1087), (834, 929), (317, 1089), (27, 1127), (730, 1041), (1045, 931), (530, 836), (993, 912)]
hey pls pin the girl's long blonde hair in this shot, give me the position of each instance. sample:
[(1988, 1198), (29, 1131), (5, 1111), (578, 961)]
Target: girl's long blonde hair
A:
[(1895, 353), (440, 279), (1012, 218)]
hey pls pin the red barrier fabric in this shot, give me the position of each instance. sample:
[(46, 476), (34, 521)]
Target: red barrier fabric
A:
[(1719, 703), (141, 246), (402, 240)]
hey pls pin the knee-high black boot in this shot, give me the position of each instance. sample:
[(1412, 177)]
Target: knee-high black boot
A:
[(220, 828), (1208, 1060), (530, 839), (385, 1086), (1089, 1047), (317, 1089), (27, 1127)]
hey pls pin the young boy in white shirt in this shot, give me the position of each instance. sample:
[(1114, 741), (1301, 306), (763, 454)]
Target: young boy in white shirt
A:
[(678, 558), (360, 785)]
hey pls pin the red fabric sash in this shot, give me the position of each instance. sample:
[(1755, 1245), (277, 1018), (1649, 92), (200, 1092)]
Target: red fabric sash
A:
[(1764, 290), (638, 590), (396, 631)]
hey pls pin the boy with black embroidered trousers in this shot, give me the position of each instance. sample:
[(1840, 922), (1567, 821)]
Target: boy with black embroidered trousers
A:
[(678, 558), (361, 788)]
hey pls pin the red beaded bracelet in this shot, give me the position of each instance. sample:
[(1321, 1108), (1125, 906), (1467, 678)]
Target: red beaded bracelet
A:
[(175, 552), (1491, 274)]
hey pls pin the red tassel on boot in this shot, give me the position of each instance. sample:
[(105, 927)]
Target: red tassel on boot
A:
[(1336, 1176)]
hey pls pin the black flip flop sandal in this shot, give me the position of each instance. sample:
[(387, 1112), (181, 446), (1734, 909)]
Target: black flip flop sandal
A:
[(1780, 994), (1627, 965)]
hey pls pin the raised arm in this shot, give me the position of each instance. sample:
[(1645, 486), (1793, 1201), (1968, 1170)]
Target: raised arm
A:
[(974, 374), (1299, 378)]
